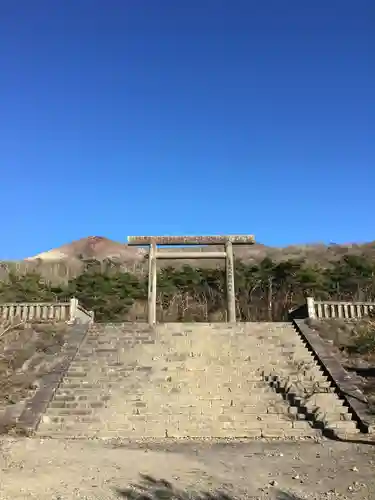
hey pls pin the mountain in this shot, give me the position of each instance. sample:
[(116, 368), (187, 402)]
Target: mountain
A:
[(101, 248), (92, 247)]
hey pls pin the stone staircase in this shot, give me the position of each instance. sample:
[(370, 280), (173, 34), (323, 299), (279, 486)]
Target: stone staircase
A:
[(194, 380)]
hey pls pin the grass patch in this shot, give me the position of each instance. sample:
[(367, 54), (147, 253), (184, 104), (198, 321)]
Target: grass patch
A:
[(348, 337)]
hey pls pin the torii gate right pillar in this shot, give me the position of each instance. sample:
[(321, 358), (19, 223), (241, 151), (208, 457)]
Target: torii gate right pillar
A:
[(231, 293)]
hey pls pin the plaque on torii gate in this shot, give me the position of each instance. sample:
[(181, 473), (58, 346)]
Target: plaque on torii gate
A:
[(227, 254)]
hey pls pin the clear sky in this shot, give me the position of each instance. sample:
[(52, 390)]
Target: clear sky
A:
[(124, 117)]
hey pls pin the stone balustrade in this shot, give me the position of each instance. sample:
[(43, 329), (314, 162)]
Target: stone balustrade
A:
[(318, 309), (70, 311)]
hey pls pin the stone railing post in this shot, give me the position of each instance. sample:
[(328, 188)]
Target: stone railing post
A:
[(311, 307), (92, 315), (73, 309)]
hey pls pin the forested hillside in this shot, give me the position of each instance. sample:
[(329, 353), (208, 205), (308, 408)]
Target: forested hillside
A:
[(265, 291)]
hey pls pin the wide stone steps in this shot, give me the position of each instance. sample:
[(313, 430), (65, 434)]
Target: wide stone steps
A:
[(194, 380)]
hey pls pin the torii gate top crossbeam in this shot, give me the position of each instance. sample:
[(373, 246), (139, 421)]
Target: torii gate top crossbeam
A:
[(241, 239)]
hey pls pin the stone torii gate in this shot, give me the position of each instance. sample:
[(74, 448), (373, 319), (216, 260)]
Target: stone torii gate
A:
[(227, 254)]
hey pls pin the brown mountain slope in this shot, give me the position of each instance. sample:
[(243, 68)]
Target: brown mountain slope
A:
[(100, 248), (93, 247)]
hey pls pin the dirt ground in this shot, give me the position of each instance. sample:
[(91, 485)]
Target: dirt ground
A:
[(67, 469)]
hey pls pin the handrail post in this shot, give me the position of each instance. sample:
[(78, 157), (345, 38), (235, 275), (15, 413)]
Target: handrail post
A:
[(311, 307), (73, 309)]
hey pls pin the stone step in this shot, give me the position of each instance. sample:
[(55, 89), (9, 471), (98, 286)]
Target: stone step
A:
[(121, 331), (119, 337), (87, 365), (342, 426), (85, 388), (124, 339), (89, 398), (77, 420), (80, 404), (152, 429), (53, 411), (125, 344), (77, 384), (81, 433)]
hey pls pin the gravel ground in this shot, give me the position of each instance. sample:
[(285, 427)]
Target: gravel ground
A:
[(70, 469)]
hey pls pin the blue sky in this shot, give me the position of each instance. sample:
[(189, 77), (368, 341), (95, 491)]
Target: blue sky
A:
[(186, 117)]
